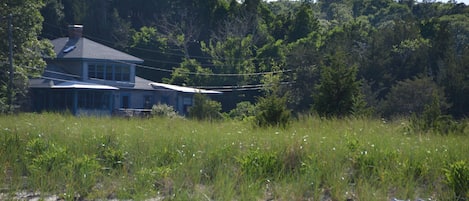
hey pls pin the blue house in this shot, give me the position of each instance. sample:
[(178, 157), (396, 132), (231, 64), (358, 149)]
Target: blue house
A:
[(88, 78)]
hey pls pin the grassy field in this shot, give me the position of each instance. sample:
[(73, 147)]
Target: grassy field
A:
[(177, 159)]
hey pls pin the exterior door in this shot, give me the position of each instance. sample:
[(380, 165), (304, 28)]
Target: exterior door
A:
[(125, 101)]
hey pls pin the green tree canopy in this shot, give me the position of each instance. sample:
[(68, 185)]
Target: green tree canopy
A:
[(28, 50)]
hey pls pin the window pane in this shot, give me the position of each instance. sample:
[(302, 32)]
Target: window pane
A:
[(126, 73), (118, 73), (109, 73), (91, 71), (100, 71)]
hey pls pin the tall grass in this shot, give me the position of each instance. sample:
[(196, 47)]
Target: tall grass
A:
[(178, 159)]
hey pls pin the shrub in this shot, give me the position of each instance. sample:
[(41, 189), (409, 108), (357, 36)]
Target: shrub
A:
[(45, 162), (163, 110), (457, 176), (432, 119), (257, 164), (83, 175), (412, 96), (272, 111), (243, 110), (205, 109), (109, 154)]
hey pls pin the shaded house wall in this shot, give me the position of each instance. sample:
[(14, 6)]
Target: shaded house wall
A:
[(75, 101), (145, 99)]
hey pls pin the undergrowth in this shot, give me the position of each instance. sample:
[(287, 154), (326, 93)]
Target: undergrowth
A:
[(177, 159)]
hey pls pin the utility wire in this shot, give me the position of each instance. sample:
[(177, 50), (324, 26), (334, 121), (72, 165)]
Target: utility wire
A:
[(166, 53), (207, 74)]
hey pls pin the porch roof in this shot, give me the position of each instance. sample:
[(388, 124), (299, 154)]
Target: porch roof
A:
[(183, 89), (82, 85), (67, 84)]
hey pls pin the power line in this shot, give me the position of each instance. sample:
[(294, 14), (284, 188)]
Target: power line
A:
[(168, 53), (224, 88), (208, 74)]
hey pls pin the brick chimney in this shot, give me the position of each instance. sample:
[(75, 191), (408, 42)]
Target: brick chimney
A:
[(75, 31)]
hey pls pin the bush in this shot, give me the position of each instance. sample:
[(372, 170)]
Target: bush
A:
[(109, 154), (433, 120), (205, 109), (272, 111), (163, 110), (260, 165), (83, 175), (45, 162), (412, 96), (243, 110), (457, 176)]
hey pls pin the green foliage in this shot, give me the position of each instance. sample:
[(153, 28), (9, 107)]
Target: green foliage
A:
[(243, 110), (28, 50), (338, 90), (163, 110), (457, 176), (272, 111), (183, 159), (148, 180), (304, 24), (45, 162), (205, 109), (191, 73), (412, 95), (260, 165), (110, 156), (83, 174), (433, 120)]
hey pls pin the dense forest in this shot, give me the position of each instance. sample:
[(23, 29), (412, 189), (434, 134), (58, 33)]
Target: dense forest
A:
[(334, 57)]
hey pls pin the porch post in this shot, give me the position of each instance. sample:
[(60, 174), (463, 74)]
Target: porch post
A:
[(111, 101), (75, 102)]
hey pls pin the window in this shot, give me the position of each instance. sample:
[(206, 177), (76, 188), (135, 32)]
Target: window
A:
[(109, 71), (125, 101), (100, 71), (147, 102), (92, 71), (125, 73), (118, 72), (93, 100)]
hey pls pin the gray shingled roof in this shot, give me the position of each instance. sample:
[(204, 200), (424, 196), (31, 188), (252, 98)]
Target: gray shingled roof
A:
[(83, 48)]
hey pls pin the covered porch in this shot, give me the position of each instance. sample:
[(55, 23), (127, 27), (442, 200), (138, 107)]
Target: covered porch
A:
[(75, 97)]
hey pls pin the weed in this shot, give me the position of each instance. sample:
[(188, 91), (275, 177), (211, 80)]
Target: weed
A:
[(45, 163), (83, 173), (109, 154), (260, 165), (457, 176)]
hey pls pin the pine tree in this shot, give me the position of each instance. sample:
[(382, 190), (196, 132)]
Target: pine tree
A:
[(338, 89)]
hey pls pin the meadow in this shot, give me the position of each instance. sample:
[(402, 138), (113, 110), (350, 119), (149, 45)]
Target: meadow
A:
[(99, 158)]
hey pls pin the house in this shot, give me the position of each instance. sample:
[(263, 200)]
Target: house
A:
[(87, 77)]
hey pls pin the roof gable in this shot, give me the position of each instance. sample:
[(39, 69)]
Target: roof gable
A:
[(83, 48)]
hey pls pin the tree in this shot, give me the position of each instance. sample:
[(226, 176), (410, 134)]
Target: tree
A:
[(303, 24), (190, 73), (271, 109), (53, 26), (28, 50), (338, 88), (411, 96), (148, 44), (204, 108)]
